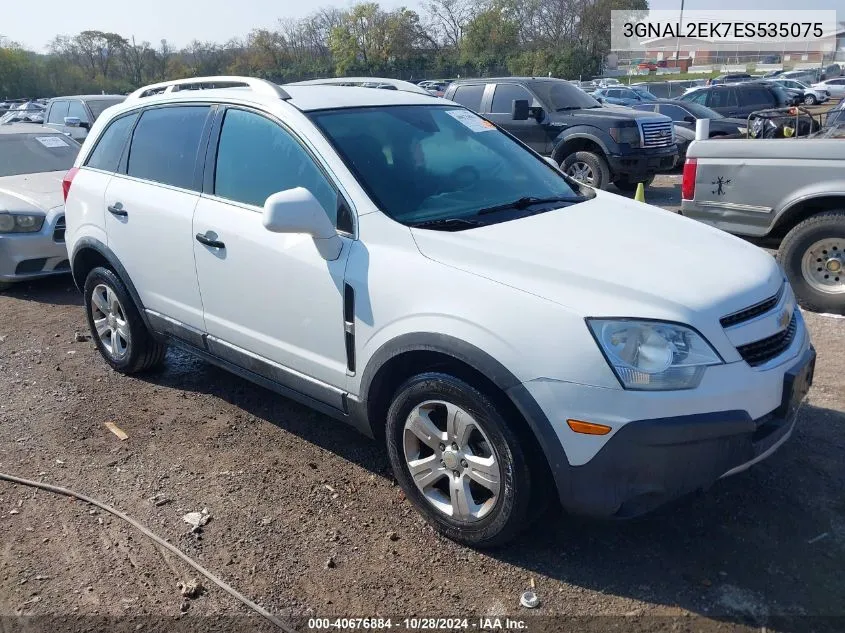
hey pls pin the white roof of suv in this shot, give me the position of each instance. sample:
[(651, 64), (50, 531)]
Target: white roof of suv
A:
[(303, 97)]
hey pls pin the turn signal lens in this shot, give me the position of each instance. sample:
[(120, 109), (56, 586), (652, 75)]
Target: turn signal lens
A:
[(588, 428)]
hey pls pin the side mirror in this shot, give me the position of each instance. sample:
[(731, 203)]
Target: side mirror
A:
[(298, 211), (73, 121), (520, 110), (690, 119), (538, 113), (599, 98)]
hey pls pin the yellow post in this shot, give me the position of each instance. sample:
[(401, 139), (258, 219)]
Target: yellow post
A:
[(640, 195)]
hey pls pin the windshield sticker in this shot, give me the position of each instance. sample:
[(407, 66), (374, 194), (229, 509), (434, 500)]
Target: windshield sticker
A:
[(471, 120), (51, 141)]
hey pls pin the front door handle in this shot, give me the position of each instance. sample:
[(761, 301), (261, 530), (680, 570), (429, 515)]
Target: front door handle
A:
[(204, 239), (118, 210)]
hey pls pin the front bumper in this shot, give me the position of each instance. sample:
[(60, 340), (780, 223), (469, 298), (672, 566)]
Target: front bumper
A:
[(643, 165), (25, 256), (676, 444)]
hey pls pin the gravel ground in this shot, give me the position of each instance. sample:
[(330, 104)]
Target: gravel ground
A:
[(307, 520)]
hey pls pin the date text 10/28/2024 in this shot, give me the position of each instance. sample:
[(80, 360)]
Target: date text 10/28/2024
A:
[(418, 624)]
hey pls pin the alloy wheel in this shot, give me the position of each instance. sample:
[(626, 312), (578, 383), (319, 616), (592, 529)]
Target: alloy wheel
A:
[(451, 460), (581, 172), (110, 322)]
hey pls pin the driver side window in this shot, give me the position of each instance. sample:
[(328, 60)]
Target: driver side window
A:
[(256, 158)]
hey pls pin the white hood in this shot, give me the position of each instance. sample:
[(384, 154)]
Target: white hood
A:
[(32, 192), (611, 256)]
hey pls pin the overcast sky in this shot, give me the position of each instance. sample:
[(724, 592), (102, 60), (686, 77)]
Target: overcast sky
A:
[(34, 24)]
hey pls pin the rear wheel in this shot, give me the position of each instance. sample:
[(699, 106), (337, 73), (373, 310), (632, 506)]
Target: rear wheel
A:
[(813, 256), (116, 325), (458, 461), (587, 167)]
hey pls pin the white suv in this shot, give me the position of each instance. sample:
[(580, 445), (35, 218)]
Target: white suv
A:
[(398, 262)]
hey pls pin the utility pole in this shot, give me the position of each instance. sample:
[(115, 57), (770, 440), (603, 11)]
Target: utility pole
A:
[(678, 43)]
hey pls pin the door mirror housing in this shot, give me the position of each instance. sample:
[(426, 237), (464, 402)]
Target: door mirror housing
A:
[(73, 121), (298, 211), (520, 110)]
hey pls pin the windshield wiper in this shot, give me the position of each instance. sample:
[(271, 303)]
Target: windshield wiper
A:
[(446, 223), (528, 201)]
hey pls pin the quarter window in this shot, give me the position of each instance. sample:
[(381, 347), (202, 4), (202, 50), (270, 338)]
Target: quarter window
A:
[(257, 158), (165, 145)]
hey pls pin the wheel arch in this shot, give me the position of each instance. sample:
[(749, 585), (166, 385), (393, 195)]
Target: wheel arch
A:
[(799, 210), (411, 354), (89, 253), (569, 143)]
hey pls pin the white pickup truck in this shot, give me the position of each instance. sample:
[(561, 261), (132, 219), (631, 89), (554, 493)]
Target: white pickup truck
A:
[(792, 190)]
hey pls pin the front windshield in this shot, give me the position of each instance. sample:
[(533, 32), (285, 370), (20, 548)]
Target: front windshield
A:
[(561, 95), (35, 153), (424, 163)]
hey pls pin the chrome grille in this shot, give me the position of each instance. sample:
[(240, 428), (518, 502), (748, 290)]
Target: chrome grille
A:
[(658, 134), (762, 351), (59, 230), (751, 312)]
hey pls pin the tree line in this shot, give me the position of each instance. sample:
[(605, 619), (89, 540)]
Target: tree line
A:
[(444, 39)]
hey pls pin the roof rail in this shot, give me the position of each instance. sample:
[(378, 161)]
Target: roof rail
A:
[(368, 82), (259, 86)]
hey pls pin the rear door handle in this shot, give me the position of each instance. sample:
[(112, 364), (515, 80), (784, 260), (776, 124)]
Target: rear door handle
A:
[(204, 239), (118, 210)]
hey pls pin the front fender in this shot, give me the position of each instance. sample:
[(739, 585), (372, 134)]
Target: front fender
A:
[(582, 132)]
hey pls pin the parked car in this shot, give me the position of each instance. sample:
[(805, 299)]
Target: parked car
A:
[(811, 96), (23, 112), (786, 190), (836, 87), (512, 367), (807, 75), (686, 113), (33, 162), (732, 78), (740, 100), (617, 96), (75, 115), (593, 144)]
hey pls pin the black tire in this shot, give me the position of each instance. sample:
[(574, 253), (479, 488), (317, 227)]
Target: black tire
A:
[(511, 511), (5, 285), (626, 184), (810, 100), (830, 224), (596, 163), (142, 351)]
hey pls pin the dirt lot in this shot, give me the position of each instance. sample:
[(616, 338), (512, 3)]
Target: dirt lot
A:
[(289, 490)]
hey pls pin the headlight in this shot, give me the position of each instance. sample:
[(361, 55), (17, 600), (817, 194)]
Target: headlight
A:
[(21, 222), (629, 133), (653, 356)]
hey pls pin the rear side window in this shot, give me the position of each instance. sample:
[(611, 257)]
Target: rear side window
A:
[(109, 148), (257, 158), (58, 112), (506, 94), (676, 113), (723, 98), (165, 145), (470, 96)]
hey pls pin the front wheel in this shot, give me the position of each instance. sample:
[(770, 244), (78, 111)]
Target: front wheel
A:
[(116, 325), (458, 461), (810, 100), (627, 184), (813, 256), (587, 167)]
